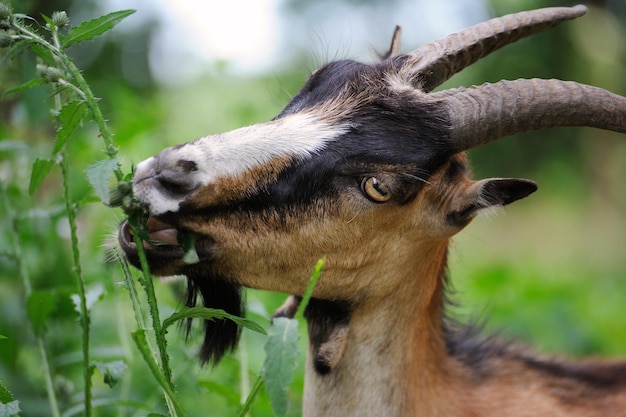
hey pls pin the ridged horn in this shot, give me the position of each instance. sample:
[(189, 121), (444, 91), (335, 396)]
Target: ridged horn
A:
[(482, 114), (436, 62)]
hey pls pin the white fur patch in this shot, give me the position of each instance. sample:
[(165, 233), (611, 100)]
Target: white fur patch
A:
[(237, 151), (232, 154)]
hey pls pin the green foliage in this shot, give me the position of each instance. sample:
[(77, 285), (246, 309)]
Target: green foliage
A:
[(99, 175), (39, 305), (8, 406), (69, 119), (41, 168), (112, 371), (92, 28), (281, 351), (210, 314)]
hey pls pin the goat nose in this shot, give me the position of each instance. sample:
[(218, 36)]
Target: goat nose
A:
[(173, 173), (145, 169)]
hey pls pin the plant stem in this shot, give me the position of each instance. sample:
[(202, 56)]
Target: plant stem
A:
[(134, 296), (172, 402), (258, 384), (153, 306), (47, 372), (80, 281)]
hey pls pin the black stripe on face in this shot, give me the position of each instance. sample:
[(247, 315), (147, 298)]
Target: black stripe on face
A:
[(408, 143)]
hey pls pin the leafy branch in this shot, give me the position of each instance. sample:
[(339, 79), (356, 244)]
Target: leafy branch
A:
[(72, 100)]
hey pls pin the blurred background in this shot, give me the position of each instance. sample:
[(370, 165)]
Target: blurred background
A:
[(550, 270)]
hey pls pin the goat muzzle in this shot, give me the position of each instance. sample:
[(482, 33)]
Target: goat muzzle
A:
[(163, 251)]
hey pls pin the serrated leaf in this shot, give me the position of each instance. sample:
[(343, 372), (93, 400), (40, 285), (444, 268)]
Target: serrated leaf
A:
[(41, 168), (5, 395), (27, 85), (112, 371), (69, 118), (92, 28), (281, 350), (210, 314), (40, 305), (99, 175), (9, 409)]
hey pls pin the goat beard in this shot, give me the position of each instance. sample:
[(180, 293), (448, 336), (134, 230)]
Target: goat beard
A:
[(220, 335)]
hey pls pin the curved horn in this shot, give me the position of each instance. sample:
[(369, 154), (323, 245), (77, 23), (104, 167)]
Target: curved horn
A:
[(479, 115), (439, 60)]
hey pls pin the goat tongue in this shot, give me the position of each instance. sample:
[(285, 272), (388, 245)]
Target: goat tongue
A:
[(162, 232)]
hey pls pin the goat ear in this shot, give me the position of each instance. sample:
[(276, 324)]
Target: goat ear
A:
[(488, 194)]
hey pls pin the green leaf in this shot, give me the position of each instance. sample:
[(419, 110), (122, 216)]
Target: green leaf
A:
[(51, 25), (5, 395), (27, 85), (281, 350), (92, 28), (2, 337), (40, 305), (9, 409), (69, 118), (210, 314), (41, 168), (141, 341), (112, 371), (99, 175), (92, 295)]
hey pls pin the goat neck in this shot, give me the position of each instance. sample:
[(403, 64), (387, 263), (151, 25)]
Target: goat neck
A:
[(394, 361)]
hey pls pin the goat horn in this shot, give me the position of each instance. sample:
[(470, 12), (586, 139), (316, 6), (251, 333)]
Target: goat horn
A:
[(439, 60), (394, 47), (479, 115)]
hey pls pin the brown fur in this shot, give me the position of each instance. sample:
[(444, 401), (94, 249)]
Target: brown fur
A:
[(391, 355)]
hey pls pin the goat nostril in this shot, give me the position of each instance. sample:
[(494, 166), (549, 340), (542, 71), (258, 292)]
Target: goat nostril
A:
[(187, 166)]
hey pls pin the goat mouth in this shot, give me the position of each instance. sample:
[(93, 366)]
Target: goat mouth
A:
[(163, 251)]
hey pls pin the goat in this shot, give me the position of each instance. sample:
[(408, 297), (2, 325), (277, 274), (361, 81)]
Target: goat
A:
[(366, 166)]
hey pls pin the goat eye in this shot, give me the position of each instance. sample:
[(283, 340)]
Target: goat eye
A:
[(375, 190)]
